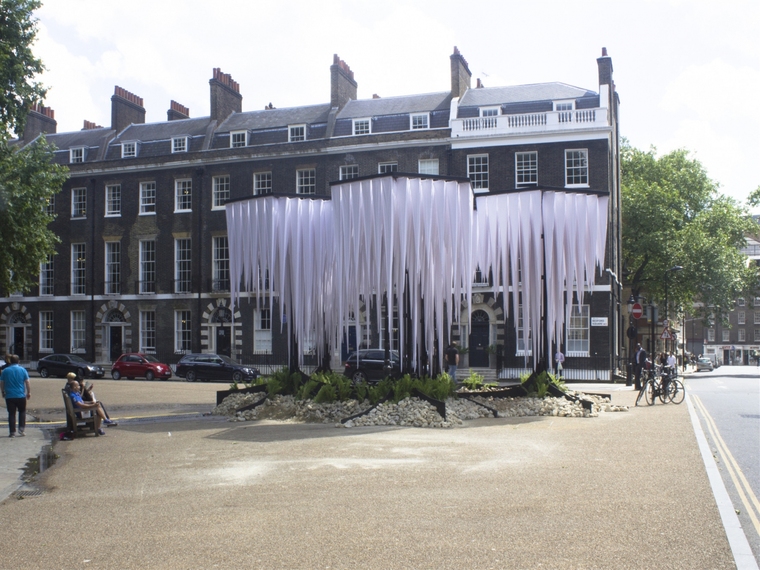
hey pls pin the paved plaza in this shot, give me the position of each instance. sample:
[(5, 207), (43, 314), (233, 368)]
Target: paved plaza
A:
[(173, 488)]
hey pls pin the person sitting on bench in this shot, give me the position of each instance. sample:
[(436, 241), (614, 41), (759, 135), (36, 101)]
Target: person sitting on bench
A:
[(87, 394), (80, 404)]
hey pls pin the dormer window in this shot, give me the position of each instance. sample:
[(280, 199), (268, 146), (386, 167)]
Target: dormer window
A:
[(179, 144), (361, 126), (238, 139), (564, 110), (296, 133), (420, 121), (76, 155), (128, 149), (489, 111)]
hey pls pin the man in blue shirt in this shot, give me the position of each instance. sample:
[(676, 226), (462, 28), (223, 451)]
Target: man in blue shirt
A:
[(14, 384)]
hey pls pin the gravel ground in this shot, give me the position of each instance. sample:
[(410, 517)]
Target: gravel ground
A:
[(622, 490)]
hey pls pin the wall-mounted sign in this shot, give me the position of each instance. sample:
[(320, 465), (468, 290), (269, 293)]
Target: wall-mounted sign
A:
[(598, 321)]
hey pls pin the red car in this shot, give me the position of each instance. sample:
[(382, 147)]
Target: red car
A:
[(135, 364)]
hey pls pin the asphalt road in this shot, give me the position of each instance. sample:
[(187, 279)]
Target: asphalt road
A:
[(728, 403), (624, 490)]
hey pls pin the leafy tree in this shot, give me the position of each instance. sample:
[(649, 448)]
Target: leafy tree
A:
[(28, 178), (18, 66), (673, 215)]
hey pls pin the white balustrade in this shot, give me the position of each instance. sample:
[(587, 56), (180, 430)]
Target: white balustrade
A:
[(530, 122)]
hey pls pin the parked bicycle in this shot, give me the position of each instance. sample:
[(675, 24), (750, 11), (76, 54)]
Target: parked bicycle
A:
[(662, 382)]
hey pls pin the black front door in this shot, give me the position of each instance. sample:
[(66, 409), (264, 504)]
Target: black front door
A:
[(479, 345), (223, 343), (115, 343), (18, 342)]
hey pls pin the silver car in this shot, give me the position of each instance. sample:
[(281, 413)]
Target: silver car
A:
[(704, 364)]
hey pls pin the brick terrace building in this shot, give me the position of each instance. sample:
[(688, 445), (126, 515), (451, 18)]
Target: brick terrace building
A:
[(143, 263)]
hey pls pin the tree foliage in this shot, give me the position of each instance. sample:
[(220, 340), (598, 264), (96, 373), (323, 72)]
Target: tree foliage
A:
[(18, 66), (28, 177), (673, 215)]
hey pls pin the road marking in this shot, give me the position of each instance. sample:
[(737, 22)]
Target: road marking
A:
[(737, 539), (749, 500)]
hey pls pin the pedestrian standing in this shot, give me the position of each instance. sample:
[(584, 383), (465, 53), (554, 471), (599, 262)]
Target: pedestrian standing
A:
[(559, 358), (14, 385), (452, 360), (639, 359)]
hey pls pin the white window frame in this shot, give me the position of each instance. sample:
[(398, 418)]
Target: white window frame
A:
[(220, 256), (578, 326), (740, 302), (113, 200), (490, 111), (574, 173), (419, 121), (179, 144), (710, 335), (306, 181), (757, 317), (183, 265), (564, 110), (147, 272), (262, 331), (112, 269), (220, 190), (387, 167), (526, 168), (183, 331), (478, 172), (50, 206), (428, 166), (78, 332), (78, 203), (148, 332), (726, 335), (523, 345), (238, 139), (349, 172), (297, 133), (741, 317), (129, 149), (757, 335), (262, 183), (148, 198), (76, 154), (741, 335), (46, 331), (183, 195), (47, 276), (358, 126), (78, 269)]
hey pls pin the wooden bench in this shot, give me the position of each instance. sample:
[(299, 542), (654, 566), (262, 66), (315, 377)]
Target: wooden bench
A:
[(75, 424)]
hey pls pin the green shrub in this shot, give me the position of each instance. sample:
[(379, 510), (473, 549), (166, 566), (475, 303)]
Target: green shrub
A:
[(379, 391), (306, 391), (473, 382), (362, 391), (325, 395), (402, 388), (274, 386)]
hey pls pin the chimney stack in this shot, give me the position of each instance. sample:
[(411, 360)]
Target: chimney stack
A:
[(605, 68), (40, 119), (177, 112), (89, 125), (126, 109), (342, 83), (225, 96), (460, 74)]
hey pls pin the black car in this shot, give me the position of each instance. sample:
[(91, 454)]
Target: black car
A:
[(369, 364), (61, 364), (194, 367)]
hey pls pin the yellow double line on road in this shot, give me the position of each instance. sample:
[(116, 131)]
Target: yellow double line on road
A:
[(748, 497)]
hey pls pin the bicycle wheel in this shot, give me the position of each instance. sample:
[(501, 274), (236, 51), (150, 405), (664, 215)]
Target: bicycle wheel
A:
[(676, 392), (649, 392), (664, 391)]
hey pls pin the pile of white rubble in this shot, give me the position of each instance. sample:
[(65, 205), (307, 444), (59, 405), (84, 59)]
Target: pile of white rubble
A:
[(408, 412)]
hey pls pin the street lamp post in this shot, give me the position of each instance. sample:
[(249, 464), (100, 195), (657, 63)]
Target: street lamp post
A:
[(667, 283), (632, 333)]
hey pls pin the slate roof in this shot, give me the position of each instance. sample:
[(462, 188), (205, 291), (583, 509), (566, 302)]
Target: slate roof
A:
[(89, 138), (522, 93), (396, 105), (274, 118), (164, 131)]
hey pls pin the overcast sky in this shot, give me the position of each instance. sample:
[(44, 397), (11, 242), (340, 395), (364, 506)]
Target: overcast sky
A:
[(687, 71)]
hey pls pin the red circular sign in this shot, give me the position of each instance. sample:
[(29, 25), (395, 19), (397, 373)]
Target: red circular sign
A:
[(637, 311)]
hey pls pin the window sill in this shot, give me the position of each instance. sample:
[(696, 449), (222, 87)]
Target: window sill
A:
[(146, 214), (113, 215), (183, 211), (577, 186)]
